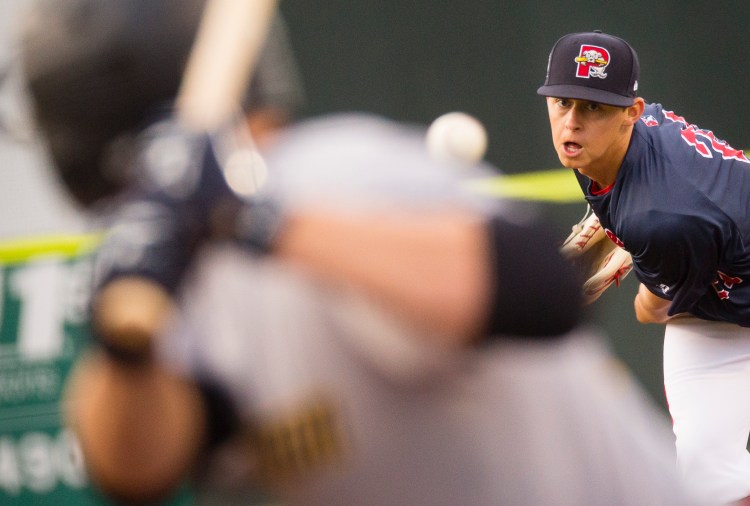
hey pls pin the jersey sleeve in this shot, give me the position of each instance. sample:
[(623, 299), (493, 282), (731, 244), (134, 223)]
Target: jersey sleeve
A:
[(680, 259), (652, 114)]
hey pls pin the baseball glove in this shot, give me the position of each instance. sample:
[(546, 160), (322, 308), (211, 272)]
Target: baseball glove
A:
[(600, 259)]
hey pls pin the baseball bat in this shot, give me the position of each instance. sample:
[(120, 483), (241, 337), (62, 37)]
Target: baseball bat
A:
[(227, 45), (130, 311)]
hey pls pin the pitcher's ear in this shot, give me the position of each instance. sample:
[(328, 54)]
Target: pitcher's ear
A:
[(635, 111)]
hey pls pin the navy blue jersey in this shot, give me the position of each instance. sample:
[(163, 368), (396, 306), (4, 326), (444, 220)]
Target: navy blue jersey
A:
[(681, 206)]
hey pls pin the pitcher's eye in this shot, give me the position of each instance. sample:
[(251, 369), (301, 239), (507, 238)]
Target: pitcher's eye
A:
[(593, 106)]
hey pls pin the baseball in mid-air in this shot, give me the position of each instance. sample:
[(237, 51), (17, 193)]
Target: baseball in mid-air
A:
[(457, 137)]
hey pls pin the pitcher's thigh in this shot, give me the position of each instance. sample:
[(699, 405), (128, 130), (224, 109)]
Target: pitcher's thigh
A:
[(707, 383)]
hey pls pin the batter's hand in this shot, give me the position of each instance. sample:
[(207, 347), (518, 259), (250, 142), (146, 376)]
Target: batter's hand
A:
[(601, 260), (181, 200), (152, 234)]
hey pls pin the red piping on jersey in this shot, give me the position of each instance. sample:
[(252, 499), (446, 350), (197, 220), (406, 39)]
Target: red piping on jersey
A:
[(603, 191)]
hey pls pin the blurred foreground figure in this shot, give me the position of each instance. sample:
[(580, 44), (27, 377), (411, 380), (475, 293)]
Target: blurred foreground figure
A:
[(329, 369), (362, 330)]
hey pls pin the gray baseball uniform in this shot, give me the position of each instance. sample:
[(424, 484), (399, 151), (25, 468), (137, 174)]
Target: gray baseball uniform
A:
[(343, 405)]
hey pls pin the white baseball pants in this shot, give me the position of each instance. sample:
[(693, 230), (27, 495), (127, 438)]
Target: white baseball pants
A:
[(707, 384)]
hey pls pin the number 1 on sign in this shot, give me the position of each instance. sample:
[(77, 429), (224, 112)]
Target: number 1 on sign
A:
[(38, 287)]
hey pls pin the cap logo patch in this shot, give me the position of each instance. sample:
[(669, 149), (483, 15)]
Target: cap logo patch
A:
[(592, 62)]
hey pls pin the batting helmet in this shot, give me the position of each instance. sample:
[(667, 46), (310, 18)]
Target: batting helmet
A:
[(97, 72)]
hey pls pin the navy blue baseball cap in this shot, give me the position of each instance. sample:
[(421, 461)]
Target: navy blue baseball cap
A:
[(592, 66)]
